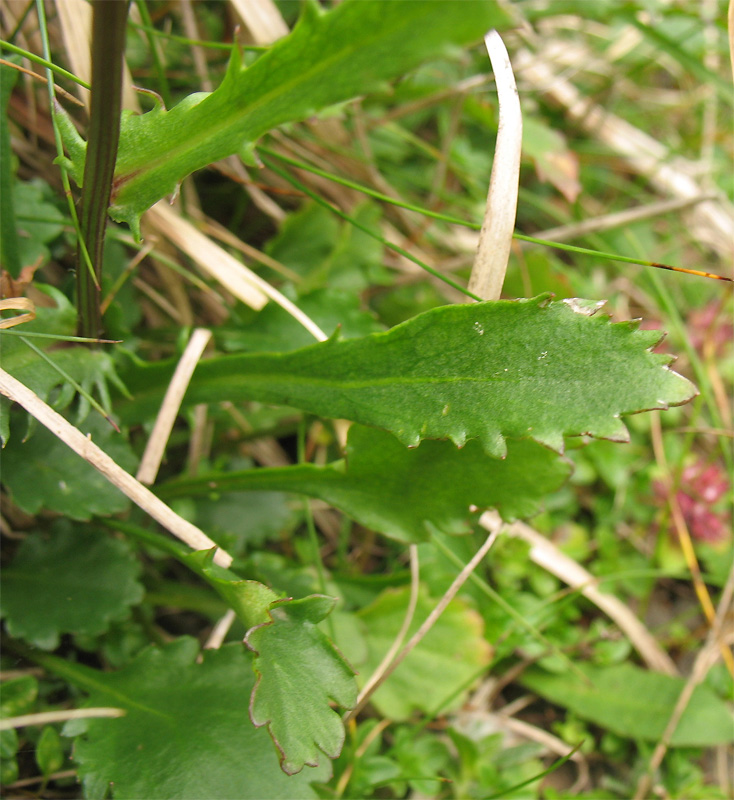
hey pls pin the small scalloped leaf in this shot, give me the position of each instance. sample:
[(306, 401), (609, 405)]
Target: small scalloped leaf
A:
[(299, 673), (508, 368), (43, 473), (68, 581)]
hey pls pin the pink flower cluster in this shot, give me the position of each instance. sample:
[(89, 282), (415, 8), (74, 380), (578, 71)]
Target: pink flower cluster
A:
[(701, 487)]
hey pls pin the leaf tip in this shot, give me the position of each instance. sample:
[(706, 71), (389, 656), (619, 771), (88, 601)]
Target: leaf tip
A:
[(553, 440), (541, 301), (494, 444), (586, 308), (130, 217), (615, 432)]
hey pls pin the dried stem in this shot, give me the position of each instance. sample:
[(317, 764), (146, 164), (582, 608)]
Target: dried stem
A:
[(83, 446), (377, 676), (495, 238), (432, 618), (154, 449)]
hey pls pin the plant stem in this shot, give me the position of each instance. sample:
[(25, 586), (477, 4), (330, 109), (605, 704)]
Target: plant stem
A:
[(10, 248), (108, 48)]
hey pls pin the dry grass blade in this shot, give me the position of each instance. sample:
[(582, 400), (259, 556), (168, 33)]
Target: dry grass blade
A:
[(705, 659), (217, 231), (618, 219), (516, 731), (711, 221), (495, 238), (262, 19), (377, 676), (220, 265), (75, 17), (209, 257), (494, 525), (466, 240), (151, 461), (17, 304), (684, 537), (90, 452), (49, 717), (220, 631), (58, 90)]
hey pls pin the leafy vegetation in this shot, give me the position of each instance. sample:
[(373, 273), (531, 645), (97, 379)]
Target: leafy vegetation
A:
[(430, 544)]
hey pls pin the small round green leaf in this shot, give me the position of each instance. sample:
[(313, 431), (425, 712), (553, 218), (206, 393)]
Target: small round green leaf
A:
[(299, 673), (44, 473), (49, 751), (68, 581)]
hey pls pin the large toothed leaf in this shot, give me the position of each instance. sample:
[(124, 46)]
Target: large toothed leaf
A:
[(328, 58), (402, 492), (186, 732), (300, 672), (526, 368)]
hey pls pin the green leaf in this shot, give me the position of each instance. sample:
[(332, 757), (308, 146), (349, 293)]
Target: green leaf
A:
[(44, 473), (327, 59), (444, 661), (405, 493), (38, 219), (89, 368), (420, 755), (326, 252), (274, 329), (18, 696), (9, 746), (526, 368), (250, 600), (186, 733), (49, 751), (299, 670), (70, 581), (9, 770), (357, 262), (240, 521), (299, 673), (637, 704), (305, 241), (554, 161)]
